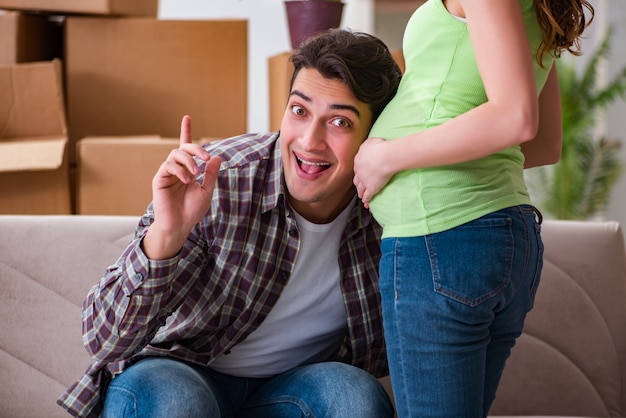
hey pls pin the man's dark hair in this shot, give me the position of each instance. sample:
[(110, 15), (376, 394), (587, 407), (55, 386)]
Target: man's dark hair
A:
[(362, 61)]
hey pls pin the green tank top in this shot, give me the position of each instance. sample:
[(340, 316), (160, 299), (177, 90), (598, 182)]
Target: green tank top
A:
[(442, 81)]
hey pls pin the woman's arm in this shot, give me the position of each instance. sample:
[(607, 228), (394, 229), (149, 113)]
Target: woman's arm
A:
[(546, 147), (509, 117)]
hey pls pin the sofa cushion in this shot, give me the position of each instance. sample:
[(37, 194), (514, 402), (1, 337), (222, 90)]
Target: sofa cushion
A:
[(47, 265), (571, 358)]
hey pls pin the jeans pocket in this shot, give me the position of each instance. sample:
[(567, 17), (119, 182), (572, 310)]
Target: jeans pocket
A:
[(473, 262)]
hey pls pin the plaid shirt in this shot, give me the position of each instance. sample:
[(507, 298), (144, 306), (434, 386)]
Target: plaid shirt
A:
[(225, 280)]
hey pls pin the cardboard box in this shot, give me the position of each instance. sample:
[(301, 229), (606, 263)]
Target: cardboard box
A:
[(115, 173), (280, 71), (28, 38), (96, 7), (139, 76), (34, 175)]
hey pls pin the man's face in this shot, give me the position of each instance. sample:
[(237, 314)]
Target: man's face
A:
[(321, 131)]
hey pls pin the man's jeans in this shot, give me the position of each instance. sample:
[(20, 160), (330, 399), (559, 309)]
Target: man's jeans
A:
[(453, 304), (164, 387)]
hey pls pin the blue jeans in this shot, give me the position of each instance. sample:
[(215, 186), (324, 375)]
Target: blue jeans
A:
[(158, 387), (453, 304)]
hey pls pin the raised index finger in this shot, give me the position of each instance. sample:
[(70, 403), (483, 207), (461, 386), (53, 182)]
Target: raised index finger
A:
[(185, 130)]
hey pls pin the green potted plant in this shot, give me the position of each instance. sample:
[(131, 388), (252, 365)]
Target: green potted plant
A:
[(579, 185), (307, 17)]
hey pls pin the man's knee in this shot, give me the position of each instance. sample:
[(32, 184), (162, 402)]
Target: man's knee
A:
[(159, 387), (352, 391), (323, 389)]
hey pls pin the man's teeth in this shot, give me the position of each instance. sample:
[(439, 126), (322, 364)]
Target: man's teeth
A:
[(313, 163)]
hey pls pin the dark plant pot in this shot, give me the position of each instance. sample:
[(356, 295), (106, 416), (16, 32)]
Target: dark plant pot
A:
[(307, 17)]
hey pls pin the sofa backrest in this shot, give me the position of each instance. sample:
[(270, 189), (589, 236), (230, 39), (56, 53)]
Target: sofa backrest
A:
[(571, 358), (47, 265)]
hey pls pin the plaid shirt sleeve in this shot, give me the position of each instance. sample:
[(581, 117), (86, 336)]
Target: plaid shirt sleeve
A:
[(123, 312)]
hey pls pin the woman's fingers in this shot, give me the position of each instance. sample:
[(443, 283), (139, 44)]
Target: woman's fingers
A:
[(361, 191)]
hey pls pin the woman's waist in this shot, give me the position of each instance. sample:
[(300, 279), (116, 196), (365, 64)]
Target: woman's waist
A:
[(428, 201)]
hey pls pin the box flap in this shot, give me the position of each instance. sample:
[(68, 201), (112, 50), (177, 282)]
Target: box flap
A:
[(122, 140), (31, 103), (33, 154)]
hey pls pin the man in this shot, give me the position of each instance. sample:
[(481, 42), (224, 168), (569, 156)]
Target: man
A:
[(250, 289)]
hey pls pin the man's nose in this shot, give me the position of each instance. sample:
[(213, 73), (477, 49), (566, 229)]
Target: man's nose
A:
[(313, 137)]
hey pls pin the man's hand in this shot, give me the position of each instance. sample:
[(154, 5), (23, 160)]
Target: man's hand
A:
[(178, 199)]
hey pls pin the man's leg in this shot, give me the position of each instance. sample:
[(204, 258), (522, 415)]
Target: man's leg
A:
[(320, 390), (161, 387)]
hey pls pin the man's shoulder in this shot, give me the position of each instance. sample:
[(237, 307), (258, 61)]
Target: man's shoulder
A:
[(243, 149)]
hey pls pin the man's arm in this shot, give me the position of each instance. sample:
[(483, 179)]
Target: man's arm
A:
[(124, 311)]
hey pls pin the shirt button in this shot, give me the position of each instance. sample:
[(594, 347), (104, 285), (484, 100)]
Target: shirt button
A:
[(293, 232)]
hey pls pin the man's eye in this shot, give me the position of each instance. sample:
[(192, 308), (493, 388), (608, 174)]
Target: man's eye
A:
[(297, 110), (341, 123)]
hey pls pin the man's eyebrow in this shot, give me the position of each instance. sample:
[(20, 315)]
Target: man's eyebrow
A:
[(301, 95), (334, 106), (347, 107)]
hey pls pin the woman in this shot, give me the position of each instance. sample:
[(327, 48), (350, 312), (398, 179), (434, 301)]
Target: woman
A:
[(443, 174)]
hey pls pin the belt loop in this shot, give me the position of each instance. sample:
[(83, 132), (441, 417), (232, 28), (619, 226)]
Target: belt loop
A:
[(538, 214)]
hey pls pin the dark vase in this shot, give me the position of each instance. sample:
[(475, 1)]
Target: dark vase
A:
[(307, 17)]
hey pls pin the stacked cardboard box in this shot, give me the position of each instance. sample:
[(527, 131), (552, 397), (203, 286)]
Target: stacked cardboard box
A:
[(29, 37), (113, 168), (98, 7), (115, 173), (139, 76), (117, 76), (33, 140)]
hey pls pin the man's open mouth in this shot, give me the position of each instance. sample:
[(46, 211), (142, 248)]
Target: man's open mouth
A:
[(312, 167)]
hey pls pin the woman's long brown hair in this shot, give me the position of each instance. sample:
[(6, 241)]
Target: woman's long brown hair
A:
[(562, 22)]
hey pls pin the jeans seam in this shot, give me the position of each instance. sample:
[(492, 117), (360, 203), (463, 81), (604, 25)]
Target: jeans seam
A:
[(283, 399), (395, 270), (131, 394), (398, 342), (518, 284)]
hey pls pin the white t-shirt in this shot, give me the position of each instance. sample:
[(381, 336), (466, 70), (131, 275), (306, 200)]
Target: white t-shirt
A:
[(309, 320)]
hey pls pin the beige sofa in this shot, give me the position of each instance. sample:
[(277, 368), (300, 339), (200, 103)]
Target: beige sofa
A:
[(571, 360)]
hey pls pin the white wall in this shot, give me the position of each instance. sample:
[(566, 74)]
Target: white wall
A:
[(267, 36), (611, 13), (614, 14)]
